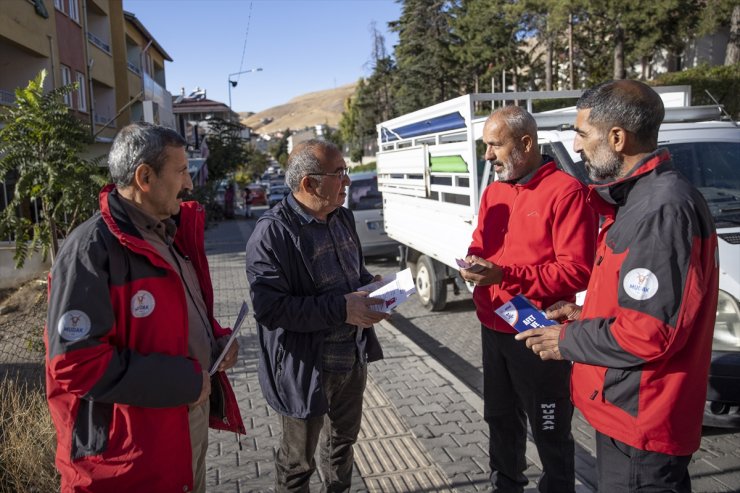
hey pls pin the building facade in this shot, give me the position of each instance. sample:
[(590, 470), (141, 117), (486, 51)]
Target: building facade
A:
[(118, 65)]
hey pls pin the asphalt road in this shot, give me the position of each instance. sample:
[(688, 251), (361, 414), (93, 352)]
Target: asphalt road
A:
[(452, 337)]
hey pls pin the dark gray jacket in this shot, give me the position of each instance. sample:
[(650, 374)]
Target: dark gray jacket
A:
[(292, 318)]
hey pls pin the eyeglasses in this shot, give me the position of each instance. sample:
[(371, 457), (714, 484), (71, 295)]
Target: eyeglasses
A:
[(341, 173)]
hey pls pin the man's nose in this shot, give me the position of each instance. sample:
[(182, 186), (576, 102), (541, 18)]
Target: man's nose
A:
[(577, 145), (490, 155), (188, 182)]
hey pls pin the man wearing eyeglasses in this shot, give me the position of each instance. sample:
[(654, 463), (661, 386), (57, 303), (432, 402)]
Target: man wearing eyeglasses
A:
[(304, 267)]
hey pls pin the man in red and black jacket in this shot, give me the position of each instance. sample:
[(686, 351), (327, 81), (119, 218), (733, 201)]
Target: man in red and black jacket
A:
[(130, 332), (535, 236), (642, 342)]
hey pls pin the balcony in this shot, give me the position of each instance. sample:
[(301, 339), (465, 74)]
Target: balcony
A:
[(162, 98), (99, 42)]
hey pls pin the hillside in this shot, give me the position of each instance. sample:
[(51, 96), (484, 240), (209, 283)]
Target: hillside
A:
[(302, 111)]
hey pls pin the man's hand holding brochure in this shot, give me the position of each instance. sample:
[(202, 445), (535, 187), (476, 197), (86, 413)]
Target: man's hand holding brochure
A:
[(539, 330), (234, 331), (522, 315), (393, 289)]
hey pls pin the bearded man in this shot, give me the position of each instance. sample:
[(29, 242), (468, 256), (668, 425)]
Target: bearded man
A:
[(535, 236), (641, 344)]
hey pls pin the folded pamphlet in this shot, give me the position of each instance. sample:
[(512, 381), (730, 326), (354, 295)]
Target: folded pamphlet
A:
[(521, 314), (393, 289), (234, 331)]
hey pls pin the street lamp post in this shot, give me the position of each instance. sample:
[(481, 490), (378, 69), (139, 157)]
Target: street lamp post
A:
[(233, 83)]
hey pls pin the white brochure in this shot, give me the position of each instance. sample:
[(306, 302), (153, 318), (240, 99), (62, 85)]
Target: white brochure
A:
[(394, 289), (234, 331)]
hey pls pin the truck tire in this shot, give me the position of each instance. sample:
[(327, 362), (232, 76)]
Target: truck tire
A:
[(430, 286)]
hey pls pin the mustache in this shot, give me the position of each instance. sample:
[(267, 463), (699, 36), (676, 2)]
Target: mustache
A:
[(184, 194)]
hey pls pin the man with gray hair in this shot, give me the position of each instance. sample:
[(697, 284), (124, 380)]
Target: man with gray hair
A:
[(130, 331), (641, 343), (535, 237), (304, 267)]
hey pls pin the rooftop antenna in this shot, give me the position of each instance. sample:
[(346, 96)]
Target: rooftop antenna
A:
[(721, 107)]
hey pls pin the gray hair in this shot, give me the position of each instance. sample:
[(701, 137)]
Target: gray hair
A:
[(139, 143), (304, 160), (629, 104), (519, 121)]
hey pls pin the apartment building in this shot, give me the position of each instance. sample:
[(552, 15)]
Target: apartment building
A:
[(118, 64)]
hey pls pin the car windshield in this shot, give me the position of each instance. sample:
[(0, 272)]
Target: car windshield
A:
[(364, 195), (714, 169)]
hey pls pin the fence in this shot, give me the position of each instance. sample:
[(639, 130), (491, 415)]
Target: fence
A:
[(22, 317)]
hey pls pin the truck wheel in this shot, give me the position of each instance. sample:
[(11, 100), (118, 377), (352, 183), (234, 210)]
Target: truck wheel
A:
[(431, 288)]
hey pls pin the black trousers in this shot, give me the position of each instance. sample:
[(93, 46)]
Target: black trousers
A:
[(625, 469), (336, 431), (518, 385)]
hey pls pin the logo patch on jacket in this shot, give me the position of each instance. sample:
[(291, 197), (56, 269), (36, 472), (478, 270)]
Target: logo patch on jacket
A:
[(640, 284), (142, 304), (73, 325)]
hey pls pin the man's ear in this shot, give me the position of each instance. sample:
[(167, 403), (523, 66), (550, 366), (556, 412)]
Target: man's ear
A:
[(143, 177), (526, 143), (308, 185), (618, 138)]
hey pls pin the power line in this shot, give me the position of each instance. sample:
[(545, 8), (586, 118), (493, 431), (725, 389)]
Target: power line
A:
[(246, 35)]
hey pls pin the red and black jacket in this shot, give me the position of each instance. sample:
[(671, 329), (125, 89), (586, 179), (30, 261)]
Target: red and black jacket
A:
[(117, 368), (643, 343)]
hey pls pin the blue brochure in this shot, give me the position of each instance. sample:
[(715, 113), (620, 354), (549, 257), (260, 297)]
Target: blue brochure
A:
[(521, 314)]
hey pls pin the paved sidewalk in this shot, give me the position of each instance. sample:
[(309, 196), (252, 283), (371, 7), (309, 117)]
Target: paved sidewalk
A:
[(422, 427)]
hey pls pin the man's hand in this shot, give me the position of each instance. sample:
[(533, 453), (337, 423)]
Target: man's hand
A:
[(205, 390), (563, 310), (482, 272), (543, 341), (231, 355), (359, 312)]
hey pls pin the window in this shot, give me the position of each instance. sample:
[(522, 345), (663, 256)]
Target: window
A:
[(59, 5), (364, 195), (81, 100), (74, 11), (67, 79)]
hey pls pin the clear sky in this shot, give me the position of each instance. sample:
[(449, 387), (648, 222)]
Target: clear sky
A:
[(301, 45)]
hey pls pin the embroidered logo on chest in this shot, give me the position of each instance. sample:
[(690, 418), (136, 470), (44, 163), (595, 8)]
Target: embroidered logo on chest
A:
[(142, 304), (73, 325), (640, 284)]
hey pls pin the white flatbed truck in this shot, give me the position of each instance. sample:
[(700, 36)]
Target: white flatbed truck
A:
[(432, 172)]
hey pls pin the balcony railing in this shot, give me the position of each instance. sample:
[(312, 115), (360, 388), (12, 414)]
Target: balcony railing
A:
[(134, 68), (99, 42), (6, 97)]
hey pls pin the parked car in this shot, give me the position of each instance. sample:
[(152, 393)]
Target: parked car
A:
[(277, 193), (257, 195), (366, 203)]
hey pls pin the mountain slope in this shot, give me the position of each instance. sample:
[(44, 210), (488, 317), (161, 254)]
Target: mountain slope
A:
[(307, 110)]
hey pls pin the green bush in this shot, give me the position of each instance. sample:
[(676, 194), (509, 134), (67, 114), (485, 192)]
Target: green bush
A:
[(722, 81)]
